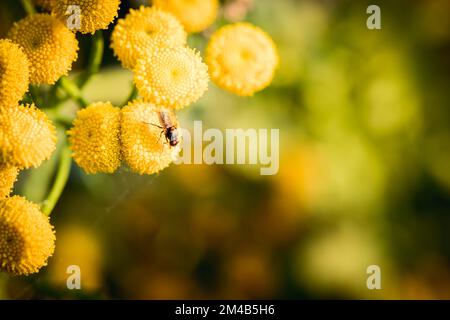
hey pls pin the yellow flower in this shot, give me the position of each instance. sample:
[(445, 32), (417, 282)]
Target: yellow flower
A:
[(27, 238), (195, 15), (241, 58), (95, 14), (27, 137), (143, 30), (46, 4), (144, 146), (14, 73), (172, 77), (49, 45), (8, 175), (94, 138)]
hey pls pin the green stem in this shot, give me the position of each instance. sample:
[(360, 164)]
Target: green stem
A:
[(73, 91), (62, 176), (95, 58), (28, 6)]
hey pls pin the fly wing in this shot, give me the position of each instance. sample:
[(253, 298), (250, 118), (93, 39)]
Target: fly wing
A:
[(167, 118)]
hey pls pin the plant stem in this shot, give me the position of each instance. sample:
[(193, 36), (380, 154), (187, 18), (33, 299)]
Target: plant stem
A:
[(95, 58), (73, 91), (28, 6), (62, 176)]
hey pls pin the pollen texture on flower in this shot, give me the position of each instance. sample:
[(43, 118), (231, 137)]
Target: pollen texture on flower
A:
[(94, 138), (46, 4), (14, 73), (27, 137), (195, 15), (27, 238), (95, 14), (241, 58), (51, 48), (144, 147), (172, 77), (145, 29), (8, 175)]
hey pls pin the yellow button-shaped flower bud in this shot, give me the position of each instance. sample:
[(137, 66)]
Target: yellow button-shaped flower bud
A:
[(143, 30), (144, 146), (27, 137), (94, 138), (27, 238), (51, 48), (14, 73), (241, 58), (8, 175), (94, 14), (172, 77), (195, 15)]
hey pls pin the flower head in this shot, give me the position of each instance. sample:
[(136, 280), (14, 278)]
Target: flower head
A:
[(95, 14), (27, 239), (145, 29), (241, 58), (172, 77), (195, 15), (144, 147), (51, 48), (8, 175), (14, 73), (27, 137), (94, 138)]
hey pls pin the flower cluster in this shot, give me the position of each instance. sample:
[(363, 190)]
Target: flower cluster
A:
[(168, 74), (103, 135), (27, 138), (40, 49)]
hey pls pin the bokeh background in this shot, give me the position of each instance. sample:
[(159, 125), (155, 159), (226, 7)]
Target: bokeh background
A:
[(364, 172)]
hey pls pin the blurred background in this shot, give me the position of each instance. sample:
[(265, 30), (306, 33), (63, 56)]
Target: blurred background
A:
[(364, 172)]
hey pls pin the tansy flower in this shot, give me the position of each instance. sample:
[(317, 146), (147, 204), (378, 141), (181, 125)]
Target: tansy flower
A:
[(27, 137), (49, 45), (143, 30), (46, 4), (195, 15), (94, 138), (27, 239), (144, 146), (8, 175), (172, 77), (95, 14), (14, 74), (241, 58)]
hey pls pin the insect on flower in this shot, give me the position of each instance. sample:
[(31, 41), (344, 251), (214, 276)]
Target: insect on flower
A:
[(169, 128)]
